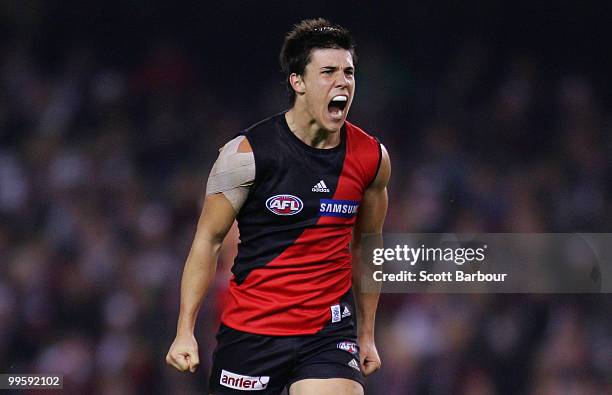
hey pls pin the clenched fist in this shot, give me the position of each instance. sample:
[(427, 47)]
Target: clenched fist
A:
[(370, 361), (183, 353)]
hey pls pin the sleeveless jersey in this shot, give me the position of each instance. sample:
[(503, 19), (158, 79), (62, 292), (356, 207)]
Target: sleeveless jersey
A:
[(294, 262)]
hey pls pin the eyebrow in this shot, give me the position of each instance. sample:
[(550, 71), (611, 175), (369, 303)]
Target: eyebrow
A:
[(350, 68)]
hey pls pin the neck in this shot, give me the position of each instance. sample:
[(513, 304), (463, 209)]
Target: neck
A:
[(306, 128)]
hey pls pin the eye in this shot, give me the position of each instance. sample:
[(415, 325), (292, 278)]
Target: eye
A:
[(328, 72), (349, 72)]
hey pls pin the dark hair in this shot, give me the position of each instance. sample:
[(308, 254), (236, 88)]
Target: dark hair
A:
[(307, 35)]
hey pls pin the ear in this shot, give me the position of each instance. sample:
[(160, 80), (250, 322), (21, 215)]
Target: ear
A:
[(297, 83)]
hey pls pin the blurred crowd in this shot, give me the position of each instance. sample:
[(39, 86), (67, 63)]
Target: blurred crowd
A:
[(103, 166)]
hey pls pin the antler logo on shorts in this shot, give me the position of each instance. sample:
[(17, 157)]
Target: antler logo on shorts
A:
[(284, 204), (240, 382)]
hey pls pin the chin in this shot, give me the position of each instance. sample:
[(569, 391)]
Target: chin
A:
[(333, 125)]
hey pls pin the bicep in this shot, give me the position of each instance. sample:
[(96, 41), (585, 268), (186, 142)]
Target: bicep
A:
[(375, 201), (216, 219)]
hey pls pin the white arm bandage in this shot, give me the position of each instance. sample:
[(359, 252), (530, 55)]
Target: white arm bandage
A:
[(232, 174)]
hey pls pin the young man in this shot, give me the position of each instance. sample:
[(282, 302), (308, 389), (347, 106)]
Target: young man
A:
[(303, 185)]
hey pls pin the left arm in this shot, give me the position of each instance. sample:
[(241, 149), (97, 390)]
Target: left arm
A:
[(370, 220)]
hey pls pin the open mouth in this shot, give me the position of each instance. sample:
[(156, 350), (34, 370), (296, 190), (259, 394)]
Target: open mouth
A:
[(337, 105)]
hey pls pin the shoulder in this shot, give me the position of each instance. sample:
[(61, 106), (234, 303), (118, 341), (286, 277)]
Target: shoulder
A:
[(367, 150), (264, 126), (259, 137), (239, 144), (384, 170), (355, 132), (363, 143)]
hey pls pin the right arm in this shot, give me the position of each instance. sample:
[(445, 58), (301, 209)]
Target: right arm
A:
[(227, 189), (215, 222)]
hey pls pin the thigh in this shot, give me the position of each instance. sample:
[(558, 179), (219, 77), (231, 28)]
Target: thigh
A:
[(247, 362), (326, 387), (328, 362)]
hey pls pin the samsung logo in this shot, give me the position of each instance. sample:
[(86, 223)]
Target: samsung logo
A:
[(338, 208)]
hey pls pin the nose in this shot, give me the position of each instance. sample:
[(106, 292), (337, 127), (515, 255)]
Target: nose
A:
[(342, 81)]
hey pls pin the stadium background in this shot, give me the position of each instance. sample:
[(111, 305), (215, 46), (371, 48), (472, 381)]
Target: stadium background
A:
[(496, 116)]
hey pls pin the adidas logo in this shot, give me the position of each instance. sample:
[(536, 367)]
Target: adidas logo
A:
[(346, 312), (320, 187), (353, 364)]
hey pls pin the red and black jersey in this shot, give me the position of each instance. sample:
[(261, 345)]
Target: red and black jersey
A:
[(293, 261)]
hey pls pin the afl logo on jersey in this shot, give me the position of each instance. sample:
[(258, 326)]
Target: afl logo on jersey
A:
[(284, 204)]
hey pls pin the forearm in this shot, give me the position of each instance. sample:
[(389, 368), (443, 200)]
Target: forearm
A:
[(198, 273), (366, 293), (367, 304)]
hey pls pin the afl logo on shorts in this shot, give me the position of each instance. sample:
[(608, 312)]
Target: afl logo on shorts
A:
[(284, 204), (348, 346)]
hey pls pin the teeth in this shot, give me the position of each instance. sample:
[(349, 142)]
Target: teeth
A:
[(340, 98)]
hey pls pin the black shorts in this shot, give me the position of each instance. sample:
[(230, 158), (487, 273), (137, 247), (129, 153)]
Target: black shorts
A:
[(266, 364)]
